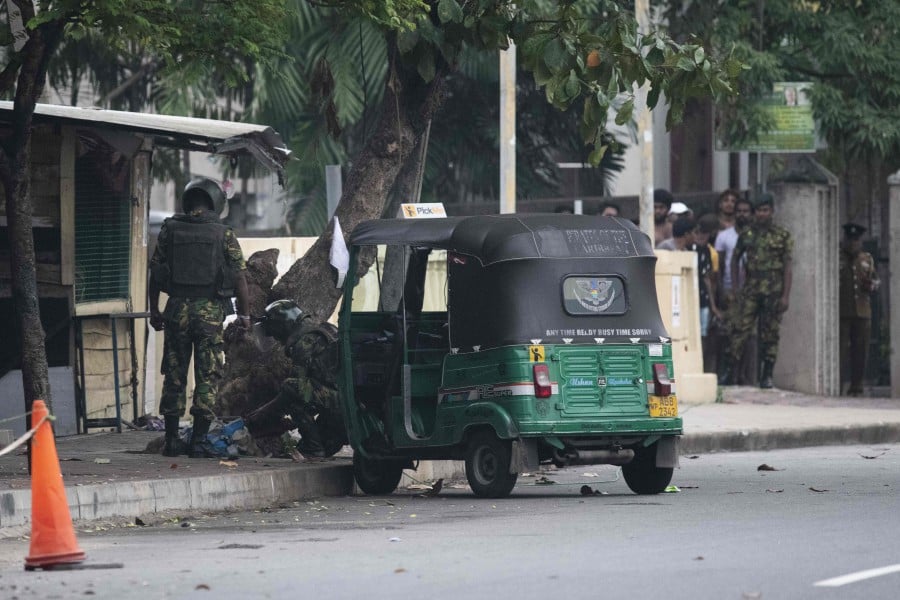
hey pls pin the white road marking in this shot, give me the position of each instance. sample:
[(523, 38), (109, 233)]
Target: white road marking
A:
[(858, 576)]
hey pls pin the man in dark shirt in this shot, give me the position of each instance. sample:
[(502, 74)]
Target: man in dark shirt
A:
[(858, 281)]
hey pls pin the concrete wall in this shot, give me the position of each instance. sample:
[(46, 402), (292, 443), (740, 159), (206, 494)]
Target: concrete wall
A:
[(806, 204)]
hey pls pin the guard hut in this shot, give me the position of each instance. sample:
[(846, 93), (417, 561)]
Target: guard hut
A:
[(90, 186)]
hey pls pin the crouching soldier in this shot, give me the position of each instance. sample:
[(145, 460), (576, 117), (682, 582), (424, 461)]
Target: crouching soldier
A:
[(310, 397)]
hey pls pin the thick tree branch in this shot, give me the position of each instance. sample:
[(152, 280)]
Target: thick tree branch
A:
[(146, 69)]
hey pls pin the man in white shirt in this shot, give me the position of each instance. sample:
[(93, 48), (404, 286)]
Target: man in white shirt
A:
[(727, 238), (725, 243)]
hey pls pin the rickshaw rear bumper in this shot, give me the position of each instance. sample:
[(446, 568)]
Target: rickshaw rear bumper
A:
[(604, 428)]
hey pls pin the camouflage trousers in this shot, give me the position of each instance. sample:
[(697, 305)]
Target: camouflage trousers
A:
[(313, 398), (759, 302), (192, 326), (304, 399)]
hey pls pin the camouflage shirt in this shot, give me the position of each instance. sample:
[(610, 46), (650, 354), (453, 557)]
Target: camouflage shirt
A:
[(314, 355), (767, 250)]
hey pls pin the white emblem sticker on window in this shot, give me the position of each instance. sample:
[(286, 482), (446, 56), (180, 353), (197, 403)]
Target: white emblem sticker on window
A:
[(585, 295)]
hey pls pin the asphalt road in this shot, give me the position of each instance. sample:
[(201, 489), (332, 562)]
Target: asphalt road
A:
[(731, 532)]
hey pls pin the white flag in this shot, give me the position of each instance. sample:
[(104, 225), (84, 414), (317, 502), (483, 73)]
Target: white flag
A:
[(339, 257)]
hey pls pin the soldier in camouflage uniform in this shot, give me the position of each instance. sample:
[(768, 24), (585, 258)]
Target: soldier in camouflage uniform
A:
[(199, 264), (766, 290), (858, 280), (310, 397)]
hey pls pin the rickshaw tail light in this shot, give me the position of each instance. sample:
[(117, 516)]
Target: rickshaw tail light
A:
[(662, 386), (542, 386)]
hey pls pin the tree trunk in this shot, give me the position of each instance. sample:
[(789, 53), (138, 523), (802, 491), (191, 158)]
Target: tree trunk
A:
[(16, 172), (409, 104)]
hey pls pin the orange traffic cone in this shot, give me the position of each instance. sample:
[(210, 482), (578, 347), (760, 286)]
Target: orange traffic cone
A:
[(52, 535)]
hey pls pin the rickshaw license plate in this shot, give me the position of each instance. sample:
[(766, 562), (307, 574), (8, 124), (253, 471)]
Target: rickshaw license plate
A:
[(663, 406)]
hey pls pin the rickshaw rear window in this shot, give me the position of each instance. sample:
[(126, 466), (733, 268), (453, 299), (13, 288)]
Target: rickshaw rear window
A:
[(594, 295)]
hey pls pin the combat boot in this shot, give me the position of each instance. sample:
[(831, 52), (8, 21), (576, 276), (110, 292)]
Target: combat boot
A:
[(310, 444), (199, 447), (725, 376), (173, 444), (731, 375), (765, 382)]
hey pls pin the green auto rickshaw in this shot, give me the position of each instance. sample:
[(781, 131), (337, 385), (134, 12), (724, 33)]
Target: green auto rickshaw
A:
[(551, 350)]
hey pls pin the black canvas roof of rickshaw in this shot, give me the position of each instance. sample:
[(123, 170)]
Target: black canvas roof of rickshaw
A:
[(498, 238)]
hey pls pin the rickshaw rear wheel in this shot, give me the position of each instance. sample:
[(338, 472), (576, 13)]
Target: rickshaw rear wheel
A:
[(643, 476), (376, 477), (488, 459)]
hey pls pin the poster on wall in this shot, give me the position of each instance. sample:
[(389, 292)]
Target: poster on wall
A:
[(794, 130)]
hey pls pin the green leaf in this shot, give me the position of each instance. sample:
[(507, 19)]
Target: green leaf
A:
[(573, 86), (625, 111), (449, 11), (602, 100), (406, 41), (655, 57), (541, 73), (685, 64), (597, 154), (550, 90), (588, 132), (699, 55), (652, 97), (534, 45), (733, 67), (589, 114), (628, 33), (555, 55), (613, 87)]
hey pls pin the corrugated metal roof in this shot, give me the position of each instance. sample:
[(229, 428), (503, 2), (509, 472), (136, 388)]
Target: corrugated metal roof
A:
[(218, 137)]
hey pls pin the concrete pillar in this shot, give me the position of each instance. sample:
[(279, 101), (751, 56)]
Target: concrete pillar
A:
[(894, 276), (678, 292), (806, 204)]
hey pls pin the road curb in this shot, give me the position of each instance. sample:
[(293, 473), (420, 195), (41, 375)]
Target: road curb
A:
[(259, 489), (780, 439), (209, 492)]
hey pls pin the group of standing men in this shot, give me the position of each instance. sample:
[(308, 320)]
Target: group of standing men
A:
[(745, 273), (744, 263), (761, 270)]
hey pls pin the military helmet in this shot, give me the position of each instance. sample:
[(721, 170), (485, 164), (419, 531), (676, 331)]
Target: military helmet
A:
[(282, 317), (207, 189)]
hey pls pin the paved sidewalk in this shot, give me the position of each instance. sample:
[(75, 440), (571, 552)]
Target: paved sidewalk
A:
[(754, 419), (107, 475)]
